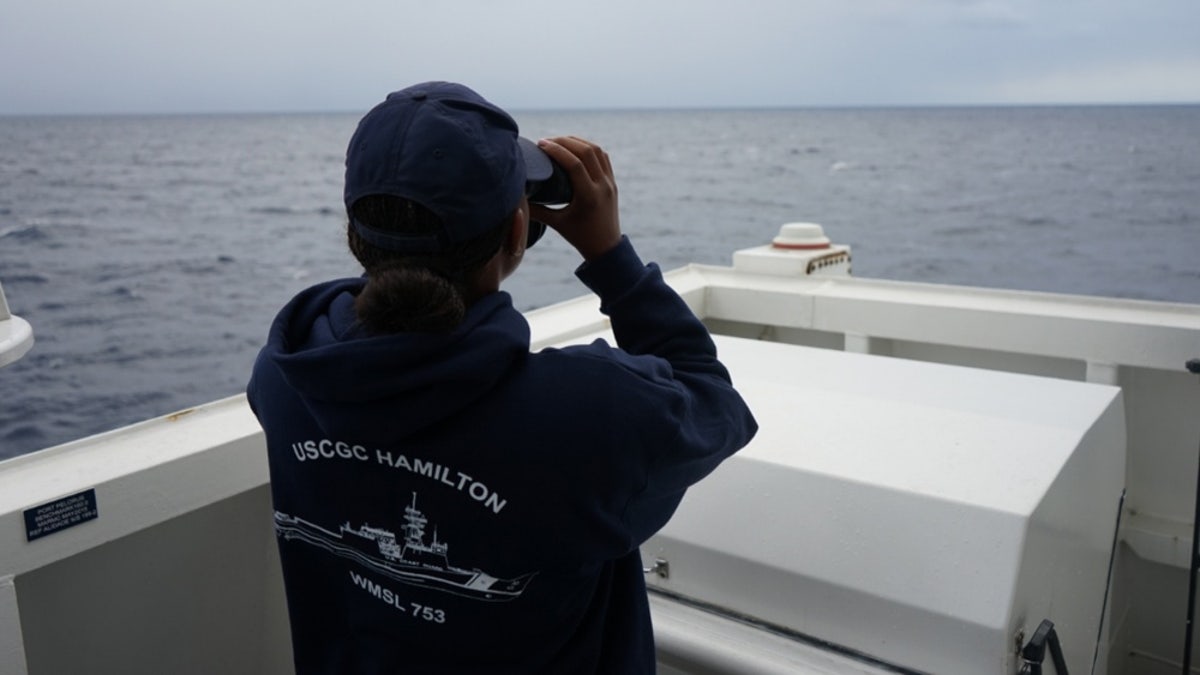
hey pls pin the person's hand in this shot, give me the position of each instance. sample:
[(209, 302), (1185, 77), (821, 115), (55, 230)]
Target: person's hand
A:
[(590, 222)]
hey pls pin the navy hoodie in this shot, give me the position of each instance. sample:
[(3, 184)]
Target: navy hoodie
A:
[(452, 503)]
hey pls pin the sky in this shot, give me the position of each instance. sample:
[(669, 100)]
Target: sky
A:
[(194, 56)]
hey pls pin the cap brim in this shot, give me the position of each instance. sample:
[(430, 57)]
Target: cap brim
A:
[(538, 166)]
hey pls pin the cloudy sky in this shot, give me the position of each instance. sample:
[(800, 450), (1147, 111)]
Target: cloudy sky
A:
[(118, 56)]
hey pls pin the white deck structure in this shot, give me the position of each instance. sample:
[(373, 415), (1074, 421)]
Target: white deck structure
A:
[(938, 469), (16, 336)]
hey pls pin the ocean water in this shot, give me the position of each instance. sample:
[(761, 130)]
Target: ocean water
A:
[(150, 253)]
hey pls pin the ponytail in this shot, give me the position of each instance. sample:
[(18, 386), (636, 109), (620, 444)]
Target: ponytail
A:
[(414, 293), (400, 299)]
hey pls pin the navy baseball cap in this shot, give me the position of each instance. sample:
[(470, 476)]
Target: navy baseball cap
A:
[(445, 147)]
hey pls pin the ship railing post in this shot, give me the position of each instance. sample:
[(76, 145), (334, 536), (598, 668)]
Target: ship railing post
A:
[(1103, 373), (859, 343)]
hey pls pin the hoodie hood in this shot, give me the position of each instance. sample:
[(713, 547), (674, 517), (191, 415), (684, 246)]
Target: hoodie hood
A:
[(382, 387)]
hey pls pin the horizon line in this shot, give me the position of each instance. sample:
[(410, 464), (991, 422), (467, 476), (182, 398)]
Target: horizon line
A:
[(628, 109)]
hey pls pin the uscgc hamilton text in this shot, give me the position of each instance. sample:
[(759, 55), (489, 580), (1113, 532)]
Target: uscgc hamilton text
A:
[(313, 450)]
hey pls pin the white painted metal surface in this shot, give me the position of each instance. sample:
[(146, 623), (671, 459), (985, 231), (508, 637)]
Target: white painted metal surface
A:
[(922, 514), (16, 335), (178, 573)]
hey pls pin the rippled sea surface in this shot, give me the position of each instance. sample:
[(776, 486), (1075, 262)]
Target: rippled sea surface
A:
[(150, 253)]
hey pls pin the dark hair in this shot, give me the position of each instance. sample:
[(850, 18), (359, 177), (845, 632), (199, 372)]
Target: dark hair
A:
[(415, 292)]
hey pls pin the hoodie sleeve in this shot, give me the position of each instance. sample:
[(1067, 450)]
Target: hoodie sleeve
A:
[(713, 422)]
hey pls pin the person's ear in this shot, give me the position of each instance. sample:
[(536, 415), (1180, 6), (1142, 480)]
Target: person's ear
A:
[(519, 232)]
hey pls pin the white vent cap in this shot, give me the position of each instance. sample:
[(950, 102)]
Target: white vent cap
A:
[(801, 237)]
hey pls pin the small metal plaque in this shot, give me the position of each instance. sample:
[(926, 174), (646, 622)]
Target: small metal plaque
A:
[(60, 514)]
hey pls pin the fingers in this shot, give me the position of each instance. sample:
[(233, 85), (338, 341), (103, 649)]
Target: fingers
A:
[(591, 221), (589, 169), (573, 152)]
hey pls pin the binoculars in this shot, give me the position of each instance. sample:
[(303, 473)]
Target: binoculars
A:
[(553, 191)]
